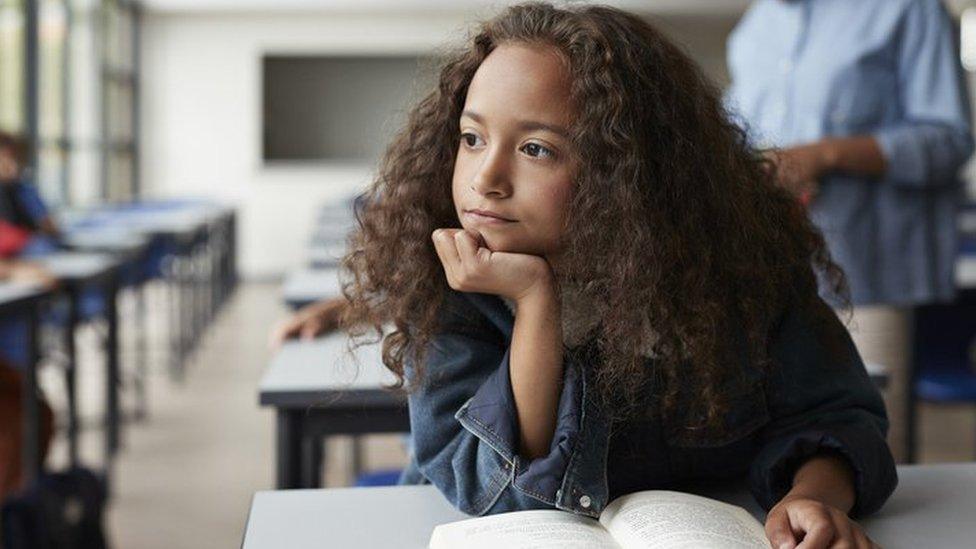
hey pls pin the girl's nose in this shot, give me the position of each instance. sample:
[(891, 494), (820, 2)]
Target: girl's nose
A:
[(492, 178)]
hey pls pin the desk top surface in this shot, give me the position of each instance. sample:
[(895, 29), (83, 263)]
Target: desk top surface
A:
[(16, 295), (311, 285), (106, 240), (312, 370), (933, 506), (168, 221), (78, 266)]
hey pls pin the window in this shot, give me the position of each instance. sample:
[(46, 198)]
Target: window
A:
[(52, 67), (82, 118), (12, 55)]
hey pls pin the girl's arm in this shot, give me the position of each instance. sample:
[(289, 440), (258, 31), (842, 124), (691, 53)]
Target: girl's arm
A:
[(815, 511), (826, 478), (536, 367), (536, 350), (466, 428), (823, 455)]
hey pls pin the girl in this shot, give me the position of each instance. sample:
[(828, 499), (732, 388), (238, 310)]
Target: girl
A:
[(596, 288)]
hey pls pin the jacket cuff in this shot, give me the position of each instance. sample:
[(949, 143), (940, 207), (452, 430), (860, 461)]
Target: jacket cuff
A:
[(875, 476), (490, 415)]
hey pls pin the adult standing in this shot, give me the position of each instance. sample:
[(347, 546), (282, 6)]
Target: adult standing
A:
[(866, 104)]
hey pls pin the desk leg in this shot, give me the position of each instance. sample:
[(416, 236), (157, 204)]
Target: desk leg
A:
[(71, 376), (357, 455), (288, 449), (313, 449), (30, 403), (171, 285), (141, 350), (112, 363)]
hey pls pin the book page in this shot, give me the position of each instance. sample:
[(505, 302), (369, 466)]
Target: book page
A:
[(673, 520), (542, 529)]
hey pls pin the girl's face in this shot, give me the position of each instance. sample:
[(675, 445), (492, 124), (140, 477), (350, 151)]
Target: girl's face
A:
[(515, 166)]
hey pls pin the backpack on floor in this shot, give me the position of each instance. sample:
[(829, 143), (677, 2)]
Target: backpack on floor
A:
[(56, 511)]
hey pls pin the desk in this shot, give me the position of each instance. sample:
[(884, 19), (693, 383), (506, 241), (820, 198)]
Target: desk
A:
[(932, 507), (318, 389), (131, 249), (77, 271), (19, 300), (310, 285), (199, 274), (328, 255)]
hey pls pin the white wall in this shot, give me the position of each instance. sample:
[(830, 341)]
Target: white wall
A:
[(201, 110), (201, 116)]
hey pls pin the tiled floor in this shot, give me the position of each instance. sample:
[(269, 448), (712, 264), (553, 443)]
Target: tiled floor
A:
[(185, 476)]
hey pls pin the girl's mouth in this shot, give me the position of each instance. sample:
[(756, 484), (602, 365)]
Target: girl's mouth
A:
[(487, 217)]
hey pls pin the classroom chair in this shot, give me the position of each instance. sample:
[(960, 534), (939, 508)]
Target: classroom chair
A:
[(944, 364)]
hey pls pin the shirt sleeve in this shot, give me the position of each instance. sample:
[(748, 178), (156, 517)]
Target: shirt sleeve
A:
[(463, 423), (821, 399), (934, 138), (32, 202)]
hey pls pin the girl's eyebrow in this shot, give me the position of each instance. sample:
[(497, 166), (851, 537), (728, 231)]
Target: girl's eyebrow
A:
[(526, 125)]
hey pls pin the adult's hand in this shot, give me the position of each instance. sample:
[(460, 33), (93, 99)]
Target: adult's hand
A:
[(798, 169)]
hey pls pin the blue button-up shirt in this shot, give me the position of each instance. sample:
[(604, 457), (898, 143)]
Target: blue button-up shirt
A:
[(804, 70)]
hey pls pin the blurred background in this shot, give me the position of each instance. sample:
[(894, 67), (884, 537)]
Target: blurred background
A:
[(198, 158)]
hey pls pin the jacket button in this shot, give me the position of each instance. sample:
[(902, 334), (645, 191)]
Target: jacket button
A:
[(585, 502)]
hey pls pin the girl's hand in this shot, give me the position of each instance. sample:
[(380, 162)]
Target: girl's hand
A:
[(805, 523), (471, 267)]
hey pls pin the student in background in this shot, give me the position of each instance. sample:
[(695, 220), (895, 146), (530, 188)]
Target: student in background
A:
[(24, 224), (12, 364), (867, 103), (596, 287), (20, 202)]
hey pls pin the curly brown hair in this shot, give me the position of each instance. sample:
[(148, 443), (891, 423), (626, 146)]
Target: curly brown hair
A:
[(695, 241)]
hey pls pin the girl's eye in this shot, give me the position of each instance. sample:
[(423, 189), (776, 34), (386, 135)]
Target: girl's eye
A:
[(469, 139), (538, 151)]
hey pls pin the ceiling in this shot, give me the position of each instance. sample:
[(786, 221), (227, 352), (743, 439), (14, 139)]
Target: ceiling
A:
[(690, 7)]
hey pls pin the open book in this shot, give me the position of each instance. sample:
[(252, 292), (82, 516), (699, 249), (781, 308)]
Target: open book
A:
[(655, 518)]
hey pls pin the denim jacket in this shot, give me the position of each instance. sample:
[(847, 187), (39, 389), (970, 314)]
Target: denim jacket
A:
[(465, 432)]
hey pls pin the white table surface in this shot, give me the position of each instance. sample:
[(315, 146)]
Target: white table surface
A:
[(16, 291), (326, 254), (75, 265), (323, 365), (307, 285), (933, 507), (105, 238)]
